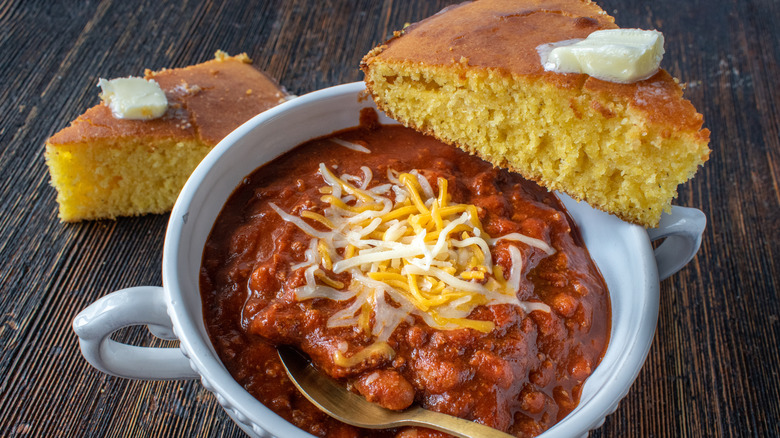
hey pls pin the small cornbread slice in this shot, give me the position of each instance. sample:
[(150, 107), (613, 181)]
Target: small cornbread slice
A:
[(103, 166), (471, 76)]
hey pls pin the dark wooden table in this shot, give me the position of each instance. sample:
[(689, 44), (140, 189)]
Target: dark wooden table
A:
[(712, 370)]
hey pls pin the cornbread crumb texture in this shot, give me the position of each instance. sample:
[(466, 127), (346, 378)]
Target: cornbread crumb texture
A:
[(471, 76), (104, 167)]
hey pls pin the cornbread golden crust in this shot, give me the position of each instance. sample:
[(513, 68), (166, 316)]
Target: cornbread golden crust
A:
[(104, 167), (471, 76)]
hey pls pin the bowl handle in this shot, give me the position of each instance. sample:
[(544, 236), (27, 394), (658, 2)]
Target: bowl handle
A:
[(124, 308), (682, 230)]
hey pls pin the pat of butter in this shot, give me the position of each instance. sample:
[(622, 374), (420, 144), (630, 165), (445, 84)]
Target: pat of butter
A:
[(133, 98), (616, 55)]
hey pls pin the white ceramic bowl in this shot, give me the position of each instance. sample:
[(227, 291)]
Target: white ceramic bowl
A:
[(622, 252)]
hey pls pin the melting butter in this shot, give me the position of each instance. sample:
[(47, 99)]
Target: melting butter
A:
[(133, 98), (615, 55)]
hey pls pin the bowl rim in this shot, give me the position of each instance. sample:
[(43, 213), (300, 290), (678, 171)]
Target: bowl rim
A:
[(248, 410)]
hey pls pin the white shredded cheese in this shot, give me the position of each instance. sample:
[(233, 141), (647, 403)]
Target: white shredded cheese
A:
[(350, 145), (409, 252)]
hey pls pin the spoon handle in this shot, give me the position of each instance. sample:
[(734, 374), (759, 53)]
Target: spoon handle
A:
[(452, 425)]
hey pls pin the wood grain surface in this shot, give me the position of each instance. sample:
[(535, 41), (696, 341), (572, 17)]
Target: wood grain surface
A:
[(713, 367)]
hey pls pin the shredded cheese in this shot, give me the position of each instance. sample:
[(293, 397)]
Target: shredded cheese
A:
[(403, 242), (349, 145), (376, 349)]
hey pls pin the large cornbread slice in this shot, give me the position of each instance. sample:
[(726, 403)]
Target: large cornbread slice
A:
[(104, 167), (471, 76)]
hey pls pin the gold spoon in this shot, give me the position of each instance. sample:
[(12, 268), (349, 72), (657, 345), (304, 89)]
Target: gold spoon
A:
[(350, 408)]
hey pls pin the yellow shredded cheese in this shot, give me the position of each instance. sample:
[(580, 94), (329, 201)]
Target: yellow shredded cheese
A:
[(375, 349), (402, 241)]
